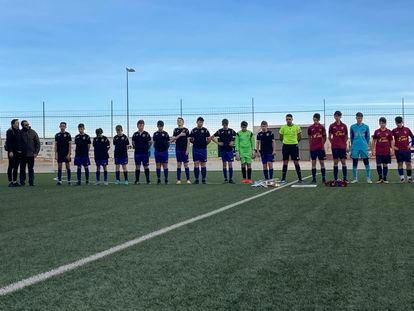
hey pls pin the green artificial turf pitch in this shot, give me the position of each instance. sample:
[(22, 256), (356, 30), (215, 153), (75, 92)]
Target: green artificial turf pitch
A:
[(293, 249)]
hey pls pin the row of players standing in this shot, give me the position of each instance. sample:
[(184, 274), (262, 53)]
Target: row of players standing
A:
[(385, 143)]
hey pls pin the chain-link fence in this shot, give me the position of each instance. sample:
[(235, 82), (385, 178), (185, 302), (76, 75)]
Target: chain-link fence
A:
[(46, 122)]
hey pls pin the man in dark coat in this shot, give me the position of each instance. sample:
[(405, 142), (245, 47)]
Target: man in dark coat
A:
[(14, 147), (31, 150)]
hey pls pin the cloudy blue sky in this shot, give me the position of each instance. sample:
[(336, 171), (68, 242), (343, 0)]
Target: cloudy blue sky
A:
[(72, 54)]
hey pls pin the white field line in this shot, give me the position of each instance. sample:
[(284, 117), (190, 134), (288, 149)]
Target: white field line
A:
[(11, 288)]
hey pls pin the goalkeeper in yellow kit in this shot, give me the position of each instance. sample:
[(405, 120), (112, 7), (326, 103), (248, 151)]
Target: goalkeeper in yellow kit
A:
[(245, 151)]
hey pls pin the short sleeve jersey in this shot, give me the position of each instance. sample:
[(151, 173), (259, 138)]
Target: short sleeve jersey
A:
[(317, 136), (383, 140), (141, 142), (266, 142), (339, 134), (100, 148), (121, 144), (62, 141), (225, 136), (182, 142), (402, 138), (199, 137), (82, 143), (290, 134), (161, 141)]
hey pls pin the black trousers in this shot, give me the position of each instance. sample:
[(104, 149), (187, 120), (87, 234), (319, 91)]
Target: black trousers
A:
[(29, 162), (13, 167)]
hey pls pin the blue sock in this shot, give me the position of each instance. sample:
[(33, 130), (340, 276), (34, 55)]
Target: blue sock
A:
[(179, 173), (87, 174), (166, 174), (105, 175), (98, 175), (79, 174), (401, 171), (225, 173), (69, 173), (126, 175), (203, 173), (409, 173), (266, 173), (196, 173), (187, 173), (355, 171), (335, 172), (59, 175), (158, 170), (271, 173), (118, 175), (368, 171), (230, 173)]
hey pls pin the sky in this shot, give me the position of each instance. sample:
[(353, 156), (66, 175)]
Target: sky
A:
[(73, 54)]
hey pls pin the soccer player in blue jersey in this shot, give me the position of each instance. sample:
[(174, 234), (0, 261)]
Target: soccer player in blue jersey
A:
[(83, 145), (266, 147), (225, 138), (180, 137), (200, 138), (141, 141), (360, 137), (161, 144), (121, 143), (101, 146), (63, 152)]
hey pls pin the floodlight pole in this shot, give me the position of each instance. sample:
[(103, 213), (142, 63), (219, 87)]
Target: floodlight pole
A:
[(128, 70)]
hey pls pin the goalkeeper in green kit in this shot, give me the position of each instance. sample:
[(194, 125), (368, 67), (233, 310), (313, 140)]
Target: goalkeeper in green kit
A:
[(245, 151)]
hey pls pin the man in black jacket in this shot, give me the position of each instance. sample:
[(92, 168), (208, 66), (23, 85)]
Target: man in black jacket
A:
[(14, 147), (31, 144)]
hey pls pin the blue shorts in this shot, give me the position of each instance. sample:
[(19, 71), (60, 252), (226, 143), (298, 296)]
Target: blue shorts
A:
[(359, 153), (227, 156), (82, 161), (267, 158), (161, 157), (339, 153), (101, 162), (199, 155), (141, 158), (383, 159), (403, 156), (121, 161), (181, 156), (318, 154)]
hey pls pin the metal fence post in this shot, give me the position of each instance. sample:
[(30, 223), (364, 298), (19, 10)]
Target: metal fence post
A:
[(112, 118), (253, 113), (181, 107), (324, 112), (403, 108), (44, 120)]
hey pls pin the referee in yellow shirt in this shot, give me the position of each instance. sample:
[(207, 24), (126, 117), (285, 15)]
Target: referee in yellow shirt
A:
[(290, 135)]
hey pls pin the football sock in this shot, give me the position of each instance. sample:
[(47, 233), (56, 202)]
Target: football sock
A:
[(243, 172), (284, 171), (379, 171), (166, 174), (105, 175), (266, 173), (249, 173), (147, 174), (335, 172), (298, 171), (271, 173), (179, 173), (344, 171), (225, 173), (203, 173), (230, 173), (126, 175), (314, 173), (158, 170), (187, 173), (137, 173), (117, 175), (59, 175), (196, 173)]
